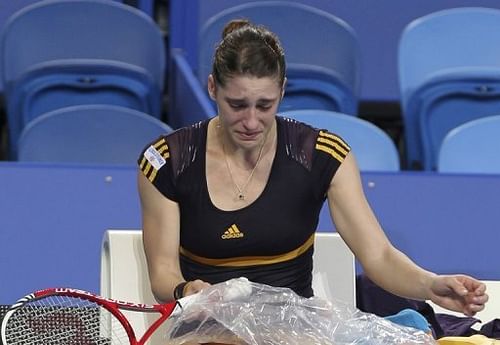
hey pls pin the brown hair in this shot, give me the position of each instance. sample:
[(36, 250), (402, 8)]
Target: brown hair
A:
[(248, 49)]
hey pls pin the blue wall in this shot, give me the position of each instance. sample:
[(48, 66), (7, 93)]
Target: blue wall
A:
[(53, 217)]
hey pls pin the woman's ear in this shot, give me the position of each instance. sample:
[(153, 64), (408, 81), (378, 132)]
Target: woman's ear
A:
[(283, 88), (211, 87)]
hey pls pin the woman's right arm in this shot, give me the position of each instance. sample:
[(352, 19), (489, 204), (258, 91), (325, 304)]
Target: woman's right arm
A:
[(160, 229), (160, 232)]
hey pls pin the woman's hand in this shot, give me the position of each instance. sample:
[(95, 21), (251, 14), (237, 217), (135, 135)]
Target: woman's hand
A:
[(195, 286), (459, 293)]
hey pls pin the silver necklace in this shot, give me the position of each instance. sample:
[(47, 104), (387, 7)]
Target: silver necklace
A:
[(241, 190)]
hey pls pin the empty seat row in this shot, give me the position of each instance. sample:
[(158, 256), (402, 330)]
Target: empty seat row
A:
[(97, 134), (60, 53), (320, 76), (109, 53), (447, 67)]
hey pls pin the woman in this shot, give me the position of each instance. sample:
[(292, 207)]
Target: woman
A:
[(240, 194)]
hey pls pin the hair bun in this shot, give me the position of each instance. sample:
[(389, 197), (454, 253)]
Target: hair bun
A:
[(234, 25)]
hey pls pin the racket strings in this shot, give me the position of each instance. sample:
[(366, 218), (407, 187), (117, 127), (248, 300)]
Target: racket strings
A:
[(63, 320)]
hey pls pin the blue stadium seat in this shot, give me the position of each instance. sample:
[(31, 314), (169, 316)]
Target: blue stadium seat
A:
[(449, 71), (316, 87), (322, 49), (472, 147), (147, 6), (322, 53), (104, 134), (57, 53), (374, 149), (189, 103)]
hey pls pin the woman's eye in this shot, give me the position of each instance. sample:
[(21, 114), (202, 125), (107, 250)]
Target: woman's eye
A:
[(237, 106)]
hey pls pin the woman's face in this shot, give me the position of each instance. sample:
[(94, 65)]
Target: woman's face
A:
[(247, 108)]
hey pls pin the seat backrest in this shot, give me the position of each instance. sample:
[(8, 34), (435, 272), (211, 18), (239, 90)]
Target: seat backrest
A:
[(84, 29), (334, 275), (189, 101), (449, 39), (373, 148), (124, 277), (472, 147), (60, 84), (314, 87), (310, 37), (449, 73), (89, 134)]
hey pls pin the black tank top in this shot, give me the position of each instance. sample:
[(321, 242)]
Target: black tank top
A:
[(269, 241)]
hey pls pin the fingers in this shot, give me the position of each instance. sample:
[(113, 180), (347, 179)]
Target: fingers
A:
[(476, 290), (195, 286), (481, 289), (476, 299), (465, 285), (477, 303), (460, 293), (460, 286), (472, 309), (472, 284), (480, 299)]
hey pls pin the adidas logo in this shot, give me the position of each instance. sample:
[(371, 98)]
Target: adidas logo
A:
[(232, 232)]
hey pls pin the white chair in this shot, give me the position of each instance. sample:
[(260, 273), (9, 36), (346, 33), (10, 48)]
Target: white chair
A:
[(124, 274), (334, 275)]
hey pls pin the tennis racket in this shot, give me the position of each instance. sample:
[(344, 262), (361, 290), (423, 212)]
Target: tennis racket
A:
[(65, 316)]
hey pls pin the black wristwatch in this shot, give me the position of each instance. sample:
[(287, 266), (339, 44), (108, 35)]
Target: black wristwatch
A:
[(179, 290)]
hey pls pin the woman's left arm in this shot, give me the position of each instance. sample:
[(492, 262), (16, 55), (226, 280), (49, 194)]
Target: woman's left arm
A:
[(382, 262)]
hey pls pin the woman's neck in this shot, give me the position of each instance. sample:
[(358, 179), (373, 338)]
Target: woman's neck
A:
[(244, 158)]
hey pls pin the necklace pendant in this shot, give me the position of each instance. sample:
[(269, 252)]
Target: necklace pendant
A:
[(241, 196)]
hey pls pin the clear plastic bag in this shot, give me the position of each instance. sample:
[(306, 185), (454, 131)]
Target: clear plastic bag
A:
[(242, 312)]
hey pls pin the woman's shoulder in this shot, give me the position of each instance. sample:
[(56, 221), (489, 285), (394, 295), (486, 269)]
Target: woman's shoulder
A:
[(179, 147), (304, 140), (295, 130), (188, 135), (298, 139)]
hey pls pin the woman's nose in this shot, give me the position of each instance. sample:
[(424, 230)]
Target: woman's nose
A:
[(251, 120)]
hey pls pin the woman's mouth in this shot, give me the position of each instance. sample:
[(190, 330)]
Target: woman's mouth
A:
[(248, 136)]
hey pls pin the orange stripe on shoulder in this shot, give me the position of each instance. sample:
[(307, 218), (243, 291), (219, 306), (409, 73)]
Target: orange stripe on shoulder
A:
[(334, 138), (330, 151), (154, 158), (332, 145)]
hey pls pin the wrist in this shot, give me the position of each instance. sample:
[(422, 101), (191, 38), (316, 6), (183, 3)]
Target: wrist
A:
[(430, 279), (179, 290)]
